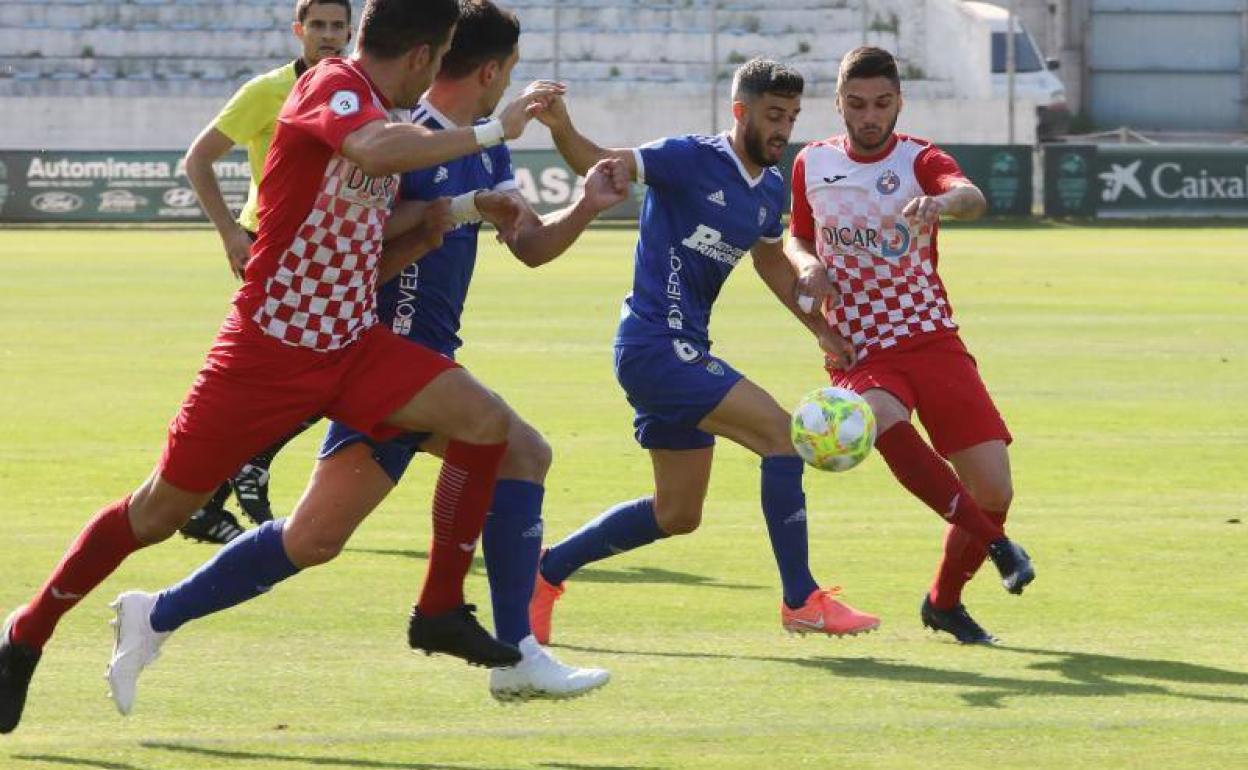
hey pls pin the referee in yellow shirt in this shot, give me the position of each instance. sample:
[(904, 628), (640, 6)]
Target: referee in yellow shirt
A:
[(323, 28)]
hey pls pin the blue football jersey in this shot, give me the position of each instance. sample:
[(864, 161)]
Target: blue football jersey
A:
[(425, 302), (701, 215)]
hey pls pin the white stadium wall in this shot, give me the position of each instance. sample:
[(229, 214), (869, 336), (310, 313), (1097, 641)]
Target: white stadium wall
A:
[(151, 74), (162, 123)]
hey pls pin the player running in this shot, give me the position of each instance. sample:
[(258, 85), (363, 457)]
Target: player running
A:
[(323, 28), (710, 200), (866, 208), (303, 339), (424, 302)]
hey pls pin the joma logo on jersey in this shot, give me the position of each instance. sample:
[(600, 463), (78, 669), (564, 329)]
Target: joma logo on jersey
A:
[(709, 242), (889, 245)]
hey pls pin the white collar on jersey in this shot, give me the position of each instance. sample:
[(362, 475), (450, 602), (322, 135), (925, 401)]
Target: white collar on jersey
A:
[(725, 146), (427, 107)]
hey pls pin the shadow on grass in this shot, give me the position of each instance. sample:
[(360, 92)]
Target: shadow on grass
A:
[(1083, 675), (54, 759), (303, 760), (583, 766), (649, 575)]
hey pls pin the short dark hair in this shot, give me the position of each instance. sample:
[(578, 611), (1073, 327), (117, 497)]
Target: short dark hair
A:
[(868, 62), (391, 28), (302, 7), (485, 33), (760, 76)]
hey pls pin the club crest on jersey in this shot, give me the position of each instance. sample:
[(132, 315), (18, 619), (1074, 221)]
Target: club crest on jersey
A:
[(489, 164), (888, 183), (441, 175), (686, 352), (762, 215)]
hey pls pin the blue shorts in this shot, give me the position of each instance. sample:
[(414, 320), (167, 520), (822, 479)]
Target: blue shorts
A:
[(672, 385), (393, 456)]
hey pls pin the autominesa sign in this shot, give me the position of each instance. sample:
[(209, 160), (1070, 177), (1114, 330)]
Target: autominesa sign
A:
[(109, 186)]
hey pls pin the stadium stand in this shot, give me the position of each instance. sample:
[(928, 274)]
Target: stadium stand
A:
[(147, 74), (195, 48)]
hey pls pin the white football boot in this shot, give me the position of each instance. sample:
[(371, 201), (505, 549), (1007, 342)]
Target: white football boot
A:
[(136, 646), (539, 676)]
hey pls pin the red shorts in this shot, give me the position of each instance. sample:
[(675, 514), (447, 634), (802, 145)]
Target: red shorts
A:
[(939, 380), (254, 389)]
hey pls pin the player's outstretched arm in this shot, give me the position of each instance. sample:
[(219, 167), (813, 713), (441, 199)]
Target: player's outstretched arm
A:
[(961, 201), (423, 236), (580, 152), (381, 148), (540, 240), (404, 216), (773, 265), (210, 146)]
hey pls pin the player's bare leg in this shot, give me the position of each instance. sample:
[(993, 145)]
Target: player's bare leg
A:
[(750, 416), (344, 489), (681, 478)]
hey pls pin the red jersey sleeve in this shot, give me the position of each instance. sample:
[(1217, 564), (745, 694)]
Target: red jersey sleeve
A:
[(330, 103), (937, 171), (801, 218)]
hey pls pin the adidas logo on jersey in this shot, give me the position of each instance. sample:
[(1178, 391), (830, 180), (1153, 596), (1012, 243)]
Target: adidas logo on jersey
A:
[(717, 198), (442, 175)]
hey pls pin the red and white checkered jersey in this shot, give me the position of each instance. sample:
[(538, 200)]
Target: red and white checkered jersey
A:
[(883, 265), (311, 281)]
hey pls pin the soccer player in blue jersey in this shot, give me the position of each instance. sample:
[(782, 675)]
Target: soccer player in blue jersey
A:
[(711, 199), (424, 301)]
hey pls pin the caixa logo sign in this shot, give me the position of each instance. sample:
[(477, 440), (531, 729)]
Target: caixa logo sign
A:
[(1171, 181), (56, 202)]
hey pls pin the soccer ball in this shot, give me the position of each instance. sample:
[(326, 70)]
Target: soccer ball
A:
[(833, 429)]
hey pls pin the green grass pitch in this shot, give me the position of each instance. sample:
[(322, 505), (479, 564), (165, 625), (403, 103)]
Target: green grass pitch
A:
[(1119, 357)]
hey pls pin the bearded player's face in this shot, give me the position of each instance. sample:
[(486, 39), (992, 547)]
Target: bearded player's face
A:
[(769, 124), (870, 107)]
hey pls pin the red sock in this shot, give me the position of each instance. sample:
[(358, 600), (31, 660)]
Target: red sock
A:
[(929, 478), (465, 489), (962, 558), (100, 548)]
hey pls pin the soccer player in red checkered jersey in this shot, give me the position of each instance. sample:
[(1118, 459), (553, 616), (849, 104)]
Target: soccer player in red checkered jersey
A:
[(303, 339), (866, 210)]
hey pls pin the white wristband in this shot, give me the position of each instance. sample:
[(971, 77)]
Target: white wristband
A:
[(490, 133), (806, 303), (464, 208)]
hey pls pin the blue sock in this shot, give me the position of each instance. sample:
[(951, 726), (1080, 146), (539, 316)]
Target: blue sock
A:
[(784, 507), (512, 542), (622, 528), (246, 567)]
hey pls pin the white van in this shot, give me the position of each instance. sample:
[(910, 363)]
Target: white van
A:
[(1034, 77)]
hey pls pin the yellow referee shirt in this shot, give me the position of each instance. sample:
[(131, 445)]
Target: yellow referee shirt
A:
[(249, 119)]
